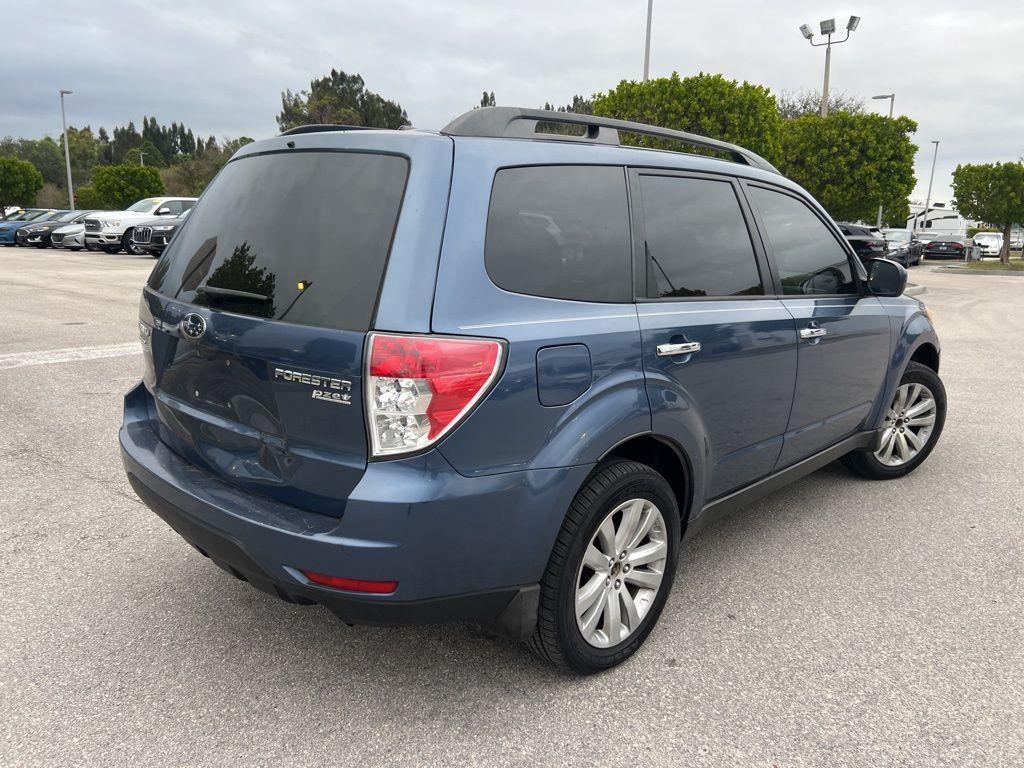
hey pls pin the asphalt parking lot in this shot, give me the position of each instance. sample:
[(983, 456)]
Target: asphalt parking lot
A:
[(836, 622)]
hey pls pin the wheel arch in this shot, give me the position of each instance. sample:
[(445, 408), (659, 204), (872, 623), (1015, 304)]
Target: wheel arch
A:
[(668, 459)]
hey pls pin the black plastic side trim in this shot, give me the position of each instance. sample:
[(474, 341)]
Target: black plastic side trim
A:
[(729, 504)]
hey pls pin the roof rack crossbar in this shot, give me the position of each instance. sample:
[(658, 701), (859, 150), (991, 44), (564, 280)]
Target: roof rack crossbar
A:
[(517, 122)]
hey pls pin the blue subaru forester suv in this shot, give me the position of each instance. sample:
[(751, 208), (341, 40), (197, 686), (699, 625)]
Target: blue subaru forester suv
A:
[(497, 373)]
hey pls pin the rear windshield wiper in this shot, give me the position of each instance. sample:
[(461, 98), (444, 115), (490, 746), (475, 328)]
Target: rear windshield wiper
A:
[(228, 294)]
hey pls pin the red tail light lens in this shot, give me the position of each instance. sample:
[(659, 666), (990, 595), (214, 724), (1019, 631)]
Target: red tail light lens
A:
[(352, 585), (420, 387)]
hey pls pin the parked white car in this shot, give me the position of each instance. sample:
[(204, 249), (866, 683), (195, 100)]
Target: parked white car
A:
[(111, 231), (988, 243)]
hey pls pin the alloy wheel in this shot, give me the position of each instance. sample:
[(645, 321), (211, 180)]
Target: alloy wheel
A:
[(908, 425), (621, 573)]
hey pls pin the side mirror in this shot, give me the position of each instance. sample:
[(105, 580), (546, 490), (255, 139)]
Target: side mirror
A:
[(163, 212), (886, 278)]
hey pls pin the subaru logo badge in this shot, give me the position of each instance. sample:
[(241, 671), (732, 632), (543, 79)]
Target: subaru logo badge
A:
[(193, 326)]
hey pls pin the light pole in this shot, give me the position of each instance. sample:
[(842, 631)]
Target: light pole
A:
[(142, 159), (647, 45), (892, 101), (828, 28), (928, 200), (67, 153)]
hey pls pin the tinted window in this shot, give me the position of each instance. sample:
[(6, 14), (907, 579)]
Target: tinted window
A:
[(809, 259), (174, 206), (560, 231), (309, 232), (697, 240)]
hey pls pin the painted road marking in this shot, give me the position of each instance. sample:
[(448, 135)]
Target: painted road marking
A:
[(71, 354)]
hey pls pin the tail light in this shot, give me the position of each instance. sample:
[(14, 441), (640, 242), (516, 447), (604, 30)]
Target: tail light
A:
[(420, 387)]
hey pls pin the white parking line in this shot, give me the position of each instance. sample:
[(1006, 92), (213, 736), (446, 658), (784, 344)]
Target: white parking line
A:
[(48, 356)]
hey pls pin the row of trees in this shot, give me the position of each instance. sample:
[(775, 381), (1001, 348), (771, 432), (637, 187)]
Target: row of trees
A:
[(851, 161), (184, 164)]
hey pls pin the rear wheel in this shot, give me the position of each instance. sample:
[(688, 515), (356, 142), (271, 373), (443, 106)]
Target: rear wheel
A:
[(912, 426), (610, 570)]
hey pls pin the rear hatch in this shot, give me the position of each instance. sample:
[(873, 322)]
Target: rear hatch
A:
[(254, 321)]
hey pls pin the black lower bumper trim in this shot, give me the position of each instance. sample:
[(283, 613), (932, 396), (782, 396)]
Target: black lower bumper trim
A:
[(511, 612)]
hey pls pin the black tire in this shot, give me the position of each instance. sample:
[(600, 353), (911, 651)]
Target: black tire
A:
[(557, 638), (111, 249), (73, 248), (128, 246), (865, 463)]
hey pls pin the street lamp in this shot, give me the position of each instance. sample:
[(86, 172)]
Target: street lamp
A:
[(67, 154), (928, 200), (828, 28), (892, 101), (647, 46)]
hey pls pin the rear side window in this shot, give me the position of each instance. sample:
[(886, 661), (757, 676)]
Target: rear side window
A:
[(697, 240), (560, 232), (299, 237), (809, 259)]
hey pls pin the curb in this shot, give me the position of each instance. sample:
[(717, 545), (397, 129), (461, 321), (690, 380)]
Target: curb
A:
[(913, 289), (967, 271)]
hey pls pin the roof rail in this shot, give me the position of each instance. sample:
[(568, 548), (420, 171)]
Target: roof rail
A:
[(520, 123), (324, 127)]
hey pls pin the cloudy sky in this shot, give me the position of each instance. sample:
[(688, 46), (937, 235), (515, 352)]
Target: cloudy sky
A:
[(957, 68)]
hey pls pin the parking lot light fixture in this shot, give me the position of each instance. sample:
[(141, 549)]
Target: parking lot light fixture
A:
[(892, 101), (67, 154), (928, 199), (828, 28)]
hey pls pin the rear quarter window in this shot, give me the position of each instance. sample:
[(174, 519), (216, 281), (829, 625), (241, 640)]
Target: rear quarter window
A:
[(560, 232), (299, 237)]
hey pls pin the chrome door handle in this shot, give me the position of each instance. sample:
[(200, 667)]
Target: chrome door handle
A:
[(812, 333), (686, 348)]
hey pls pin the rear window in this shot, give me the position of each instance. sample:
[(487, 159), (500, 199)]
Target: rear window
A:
[(299, 237), (560, 232)]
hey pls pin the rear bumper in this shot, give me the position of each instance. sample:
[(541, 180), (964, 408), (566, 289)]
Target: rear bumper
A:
[(460, 548)]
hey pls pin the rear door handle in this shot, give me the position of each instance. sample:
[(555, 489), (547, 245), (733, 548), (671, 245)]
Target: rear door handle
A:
[(686, 348), (812, 333)]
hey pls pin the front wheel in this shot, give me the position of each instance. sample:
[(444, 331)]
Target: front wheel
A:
[(912, 426), (610, 570), (129, 246)]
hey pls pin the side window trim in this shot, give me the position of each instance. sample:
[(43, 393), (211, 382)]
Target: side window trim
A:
[(852, 259), (764, 267)]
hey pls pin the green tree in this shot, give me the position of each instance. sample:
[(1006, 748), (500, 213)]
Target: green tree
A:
[(339, 98), (19, 182), (487, 100), (145, 154), (798, 103), (44, 154), (709, 105), (993, 193), (118, 186), (852, 163), (87, 198)]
